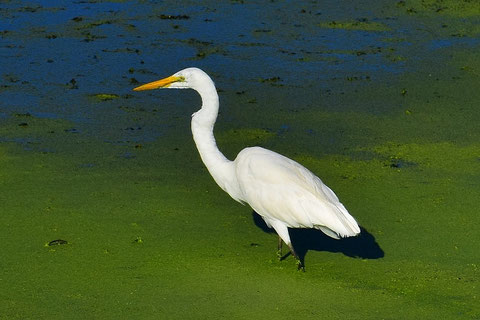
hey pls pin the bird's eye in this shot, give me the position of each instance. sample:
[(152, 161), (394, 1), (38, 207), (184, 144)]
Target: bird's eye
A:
[(181, 79)]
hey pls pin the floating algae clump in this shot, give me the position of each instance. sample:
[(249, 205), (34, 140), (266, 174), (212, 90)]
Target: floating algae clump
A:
[(104, 96), (443, 156), (457, 8), (362, 24)]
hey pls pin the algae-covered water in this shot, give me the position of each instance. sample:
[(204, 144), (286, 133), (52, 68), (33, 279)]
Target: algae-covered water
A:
[(106, 211)]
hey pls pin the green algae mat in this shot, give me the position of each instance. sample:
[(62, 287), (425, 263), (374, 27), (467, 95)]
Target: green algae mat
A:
[(106, 211)]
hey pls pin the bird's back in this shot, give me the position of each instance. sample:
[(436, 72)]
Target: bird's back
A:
[(281, 189)]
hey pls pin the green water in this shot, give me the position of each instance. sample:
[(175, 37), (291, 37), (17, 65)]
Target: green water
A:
[(382, 104)]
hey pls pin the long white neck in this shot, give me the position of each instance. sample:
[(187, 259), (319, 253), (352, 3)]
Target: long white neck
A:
[(203, 121)]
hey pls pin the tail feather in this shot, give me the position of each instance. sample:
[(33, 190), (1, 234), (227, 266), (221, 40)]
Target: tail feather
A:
[(349, 226), (348, 221), (329, 232), (334, 220)]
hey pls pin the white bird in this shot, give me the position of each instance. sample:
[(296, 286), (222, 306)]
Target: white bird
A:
[(283, 192)]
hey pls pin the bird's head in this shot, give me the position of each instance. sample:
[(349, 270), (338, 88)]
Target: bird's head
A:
[(187, 78)]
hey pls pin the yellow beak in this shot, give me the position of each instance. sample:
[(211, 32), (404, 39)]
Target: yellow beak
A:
[(164, 83)]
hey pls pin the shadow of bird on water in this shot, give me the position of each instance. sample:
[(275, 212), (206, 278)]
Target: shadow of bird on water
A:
[(362, 246)]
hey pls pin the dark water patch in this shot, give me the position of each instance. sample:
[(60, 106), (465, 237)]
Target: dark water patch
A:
[(174, 17), (468, 42), (57, 242), (401, 164)]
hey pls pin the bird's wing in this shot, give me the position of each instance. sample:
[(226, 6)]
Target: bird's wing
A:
[(279, 188)]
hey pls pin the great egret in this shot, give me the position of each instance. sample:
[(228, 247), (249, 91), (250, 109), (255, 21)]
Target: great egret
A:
[(283, 192)]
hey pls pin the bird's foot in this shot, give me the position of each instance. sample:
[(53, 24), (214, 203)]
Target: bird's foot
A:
[(279, 255), (300, 265)]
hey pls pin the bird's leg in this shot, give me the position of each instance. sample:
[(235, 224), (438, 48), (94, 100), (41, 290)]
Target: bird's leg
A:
[(292, 251), (297, 259), (282, 232), (279, 252)]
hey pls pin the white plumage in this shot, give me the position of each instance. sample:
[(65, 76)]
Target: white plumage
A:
[(282, 191)]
